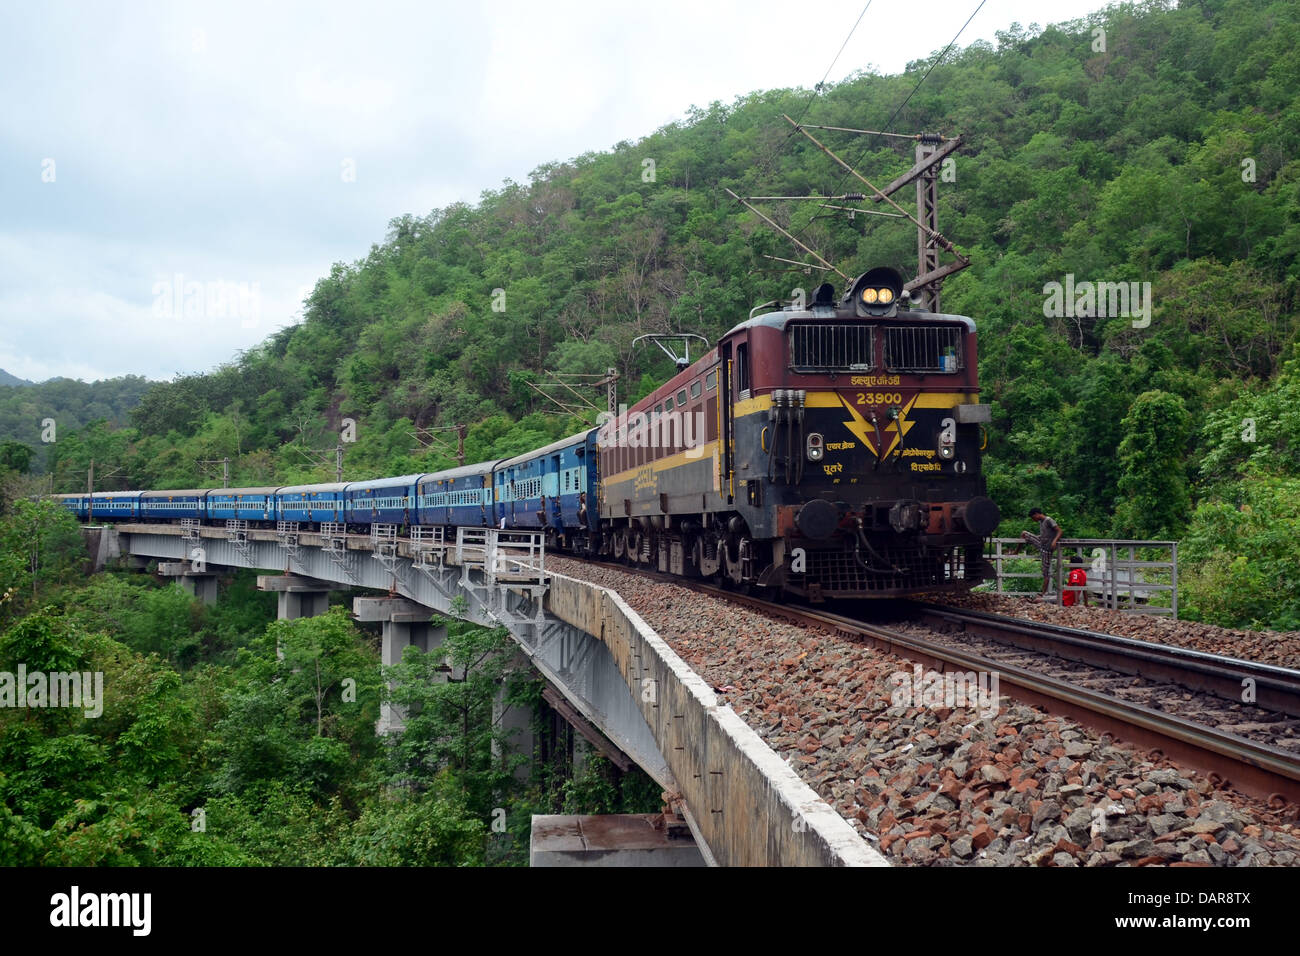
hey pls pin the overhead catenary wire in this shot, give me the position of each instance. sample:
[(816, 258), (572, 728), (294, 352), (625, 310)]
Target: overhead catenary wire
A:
[(884, 131), (767, 165)]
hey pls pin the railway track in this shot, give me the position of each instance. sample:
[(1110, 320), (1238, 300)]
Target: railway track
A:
[(1264, 686), (1115, 685)]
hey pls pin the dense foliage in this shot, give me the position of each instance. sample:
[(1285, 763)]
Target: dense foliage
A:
[(228, 738), (1146, 144), (37, 417)]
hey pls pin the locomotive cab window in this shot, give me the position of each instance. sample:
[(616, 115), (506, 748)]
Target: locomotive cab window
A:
[(742, 369), (927, 348), (834, 347)]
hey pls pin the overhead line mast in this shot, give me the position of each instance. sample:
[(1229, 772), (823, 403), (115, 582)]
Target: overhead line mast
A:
[(931, 150)]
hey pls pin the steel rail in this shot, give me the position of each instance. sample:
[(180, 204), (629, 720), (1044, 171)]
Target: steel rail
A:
[(1273, 688), (1265, 772)]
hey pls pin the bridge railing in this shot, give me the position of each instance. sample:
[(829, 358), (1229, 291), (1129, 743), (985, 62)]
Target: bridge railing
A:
[(519, 556), (1125, 575), (428, 546)]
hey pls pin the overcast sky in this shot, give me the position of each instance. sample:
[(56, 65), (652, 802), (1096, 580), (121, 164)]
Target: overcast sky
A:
[(247, 146)]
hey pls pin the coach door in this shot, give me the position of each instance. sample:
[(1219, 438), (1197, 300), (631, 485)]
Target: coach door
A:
[(726, 401), (553, 515)]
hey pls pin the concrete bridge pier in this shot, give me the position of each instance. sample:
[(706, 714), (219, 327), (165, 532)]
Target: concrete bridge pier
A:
[(515, 722), (406, 624), (102, 545), (296, 595), (200, 584)]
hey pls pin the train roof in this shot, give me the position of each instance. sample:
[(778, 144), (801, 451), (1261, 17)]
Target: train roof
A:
[(462, 471), (332, 486), (118, 494), (227, 492), (579, 438), (780, 318), (398, 482), (182, 493)]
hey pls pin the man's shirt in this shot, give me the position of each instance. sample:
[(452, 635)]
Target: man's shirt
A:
[(1047, 529)]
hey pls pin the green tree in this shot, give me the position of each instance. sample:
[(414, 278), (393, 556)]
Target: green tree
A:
[(40, 544), (1241, 557), (450, 734), (303, 717), (15, 456), (400, 828), (325, 664), (1155, 500), (1256, 431)]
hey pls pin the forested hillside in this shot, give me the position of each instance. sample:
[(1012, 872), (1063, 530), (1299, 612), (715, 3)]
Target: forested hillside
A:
[(36, 416), (1147, 144)]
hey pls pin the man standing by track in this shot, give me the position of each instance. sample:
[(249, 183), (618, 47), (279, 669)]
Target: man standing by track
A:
[(1049, 535)]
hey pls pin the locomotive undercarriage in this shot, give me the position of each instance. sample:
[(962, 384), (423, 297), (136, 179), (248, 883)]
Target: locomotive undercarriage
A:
[(844, 566)]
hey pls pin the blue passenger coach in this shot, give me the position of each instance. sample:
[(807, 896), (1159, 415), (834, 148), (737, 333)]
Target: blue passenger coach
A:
[(115, 505), (312, 504), (74, 503), (552, 488), (246, 504), (381, 501), (461, 497), (172, 505)]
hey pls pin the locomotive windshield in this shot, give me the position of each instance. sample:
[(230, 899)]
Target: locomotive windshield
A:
[(832, 347), (924, 348)]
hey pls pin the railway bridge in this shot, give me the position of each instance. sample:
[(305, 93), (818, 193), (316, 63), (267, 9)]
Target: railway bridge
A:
[(606, 667)]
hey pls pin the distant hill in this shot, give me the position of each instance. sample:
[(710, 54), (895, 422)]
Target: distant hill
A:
[(70, 404), (7, 379)]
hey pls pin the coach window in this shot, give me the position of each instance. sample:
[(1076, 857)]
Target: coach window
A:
[(668, 404), (742, 369), (711, 380), (681, 398), (695, 389)]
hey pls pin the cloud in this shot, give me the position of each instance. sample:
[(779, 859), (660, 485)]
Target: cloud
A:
[(260, 142)]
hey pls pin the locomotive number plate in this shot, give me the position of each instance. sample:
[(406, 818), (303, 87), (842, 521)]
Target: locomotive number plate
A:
[(879, 398)]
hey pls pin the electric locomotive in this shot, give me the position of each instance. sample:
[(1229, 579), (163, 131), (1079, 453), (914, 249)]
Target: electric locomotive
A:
[(830, 450)]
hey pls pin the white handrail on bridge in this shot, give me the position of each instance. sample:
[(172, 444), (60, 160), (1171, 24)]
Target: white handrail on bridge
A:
[(519, 555), (1123, 574)]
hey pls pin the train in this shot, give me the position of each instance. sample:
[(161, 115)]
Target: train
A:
[(824, 449)]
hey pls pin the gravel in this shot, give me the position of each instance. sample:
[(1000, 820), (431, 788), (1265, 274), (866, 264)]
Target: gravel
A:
[(944, 785)]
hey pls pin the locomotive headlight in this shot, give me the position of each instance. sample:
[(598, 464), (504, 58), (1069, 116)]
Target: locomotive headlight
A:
[(946, 452), (815, 446), (876, 291)]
